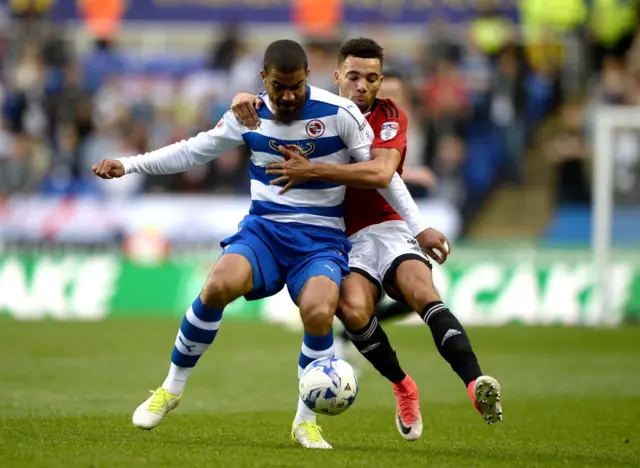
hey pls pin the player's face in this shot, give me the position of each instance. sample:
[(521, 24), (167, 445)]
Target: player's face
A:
[(359, 80), (287, 92)]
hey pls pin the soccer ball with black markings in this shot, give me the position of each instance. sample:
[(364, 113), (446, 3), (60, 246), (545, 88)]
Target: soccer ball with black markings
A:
[(328, 386)]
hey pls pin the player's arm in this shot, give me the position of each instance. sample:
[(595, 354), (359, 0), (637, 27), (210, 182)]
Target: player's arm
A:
[(376, 173), (178, 157), (245, 108), (374, 169), (397, 194), (358, 137), (390, 139), (430, 240)]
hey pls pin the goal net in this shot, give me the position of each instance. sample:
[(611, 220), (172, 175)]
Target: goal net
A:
[(616, 206)]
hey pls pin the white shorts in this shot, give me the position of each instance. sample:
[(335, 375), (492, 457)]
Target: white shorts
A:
[(379, 249)]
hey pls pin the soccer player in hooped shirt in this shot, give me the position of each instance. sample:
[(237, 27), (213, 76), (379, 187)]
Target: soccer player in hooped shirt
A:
[(385, 256), (295, 239)]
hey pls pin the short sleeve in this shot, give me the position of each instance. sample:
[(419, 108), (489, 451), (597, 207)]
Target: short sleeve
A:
[(390, 128)]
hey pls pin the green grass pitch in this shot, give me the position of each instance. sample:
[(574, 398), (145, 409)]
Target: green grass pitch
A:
[(67, 391)]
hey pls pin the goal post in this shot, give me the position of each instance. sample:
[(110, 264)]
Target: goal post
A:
[(607, 120)]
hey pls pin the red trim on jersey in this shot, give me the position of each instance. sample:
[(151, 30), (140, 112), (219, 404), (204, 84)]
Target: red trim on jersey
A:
[(365, 207)]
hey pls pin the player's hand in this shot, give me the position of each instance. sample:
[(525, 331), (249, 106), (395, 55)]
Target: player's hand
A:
[(293, 170), (108, 169), (244, 107), (434, 244)]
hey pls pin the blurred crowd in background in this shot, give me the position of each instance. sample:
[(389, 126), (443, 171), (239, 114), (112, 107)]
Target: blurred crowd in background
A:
[(476, 96)]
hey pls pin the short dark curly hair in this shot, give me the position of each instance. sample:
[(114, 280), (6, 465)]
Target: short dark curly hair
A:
[(285, 56), (361, 47)]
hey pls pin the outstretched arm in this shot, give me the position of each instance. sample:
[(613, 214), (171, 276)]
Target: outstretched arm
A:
[(180, 156)]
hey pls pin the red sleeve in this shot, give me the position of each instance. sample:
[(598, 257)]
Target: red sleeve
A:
[(390, 127)]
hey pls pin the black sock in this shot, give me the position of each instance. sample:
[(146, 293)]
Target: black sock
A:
[(373, 344), (452, 341), (390, 310)]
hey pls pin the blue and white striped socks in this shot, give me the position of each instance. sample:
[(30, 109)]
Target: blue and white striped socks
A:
[(313, 347), (197, 331)]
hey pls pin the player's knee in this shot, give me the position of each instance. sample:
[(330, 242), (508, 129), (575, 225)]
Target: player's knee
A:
[(318, 318), (219, 291), (230, 278), (318, 301), (353, 312)]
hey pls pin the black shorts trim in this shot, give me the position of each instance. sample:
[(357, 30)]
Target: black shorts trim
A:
[(375, 282), (387, 281)]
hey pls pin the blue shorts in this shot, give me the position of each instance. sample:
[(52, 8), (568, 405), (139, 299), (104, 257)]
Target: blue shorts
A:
[(288, 253)]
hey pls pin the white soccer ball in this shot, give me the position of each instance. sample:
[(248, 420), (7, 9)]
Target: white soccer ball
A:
[(328, 386)]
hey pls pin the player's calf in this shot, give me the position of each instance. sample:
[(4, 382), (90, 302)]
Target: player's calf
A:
[(317, 302), (452, 341), (230, 278), (414, 281), (373, 343), (357, 303)]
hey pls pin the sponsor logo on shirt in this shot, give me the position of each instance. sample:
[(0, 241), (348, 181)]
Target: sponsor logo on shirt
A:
[(304, 150), (389, 131)]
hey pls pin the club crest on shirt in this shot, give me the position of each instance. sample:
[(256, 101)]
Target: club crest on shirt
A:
[(220, 123), (389, 131), (305, 149), (315, 128)]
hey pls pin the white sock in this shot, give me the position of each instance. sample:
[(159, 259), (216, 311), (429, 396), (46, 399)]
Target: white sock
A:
[(313, 347), (303, 414), (176, 379)]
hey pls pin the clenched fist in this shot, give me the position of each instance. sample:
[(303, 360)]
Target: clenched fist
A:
[(434, 244), (108, 169)]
